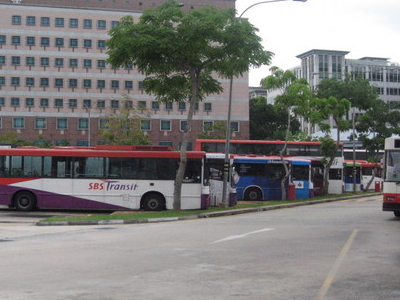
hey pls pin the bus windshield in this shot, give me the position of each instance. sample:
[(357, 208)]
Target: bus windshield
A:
[(392, 172)]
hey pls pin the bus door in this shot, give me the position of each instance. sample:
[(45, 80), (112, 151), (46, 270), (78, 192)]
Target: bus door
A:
[(352, 176), (301, 177)]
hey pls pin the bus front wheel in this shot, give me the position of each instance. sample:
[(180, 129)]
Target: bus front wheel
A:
[(253, 194), (153, 202), (397, 213), (24, 201)]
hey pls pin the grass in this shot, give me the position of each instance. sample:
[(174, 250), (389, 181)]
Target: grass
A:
[(135, 215)]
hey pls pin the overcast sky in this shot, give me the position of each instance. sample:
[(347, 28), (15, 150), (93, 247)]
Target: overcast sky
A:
[(289, 28)]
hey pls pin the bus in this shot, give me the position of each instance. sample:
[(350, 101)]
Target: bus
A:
[(260, 177), (391, 178), (371, 171), (261, 147), (103, 177), (214, 173), (307, 150), (352, 176)]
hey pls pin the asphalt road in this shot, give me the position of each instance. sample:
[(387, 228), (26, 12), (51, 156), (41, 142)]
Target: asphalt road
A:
[(334, 251)]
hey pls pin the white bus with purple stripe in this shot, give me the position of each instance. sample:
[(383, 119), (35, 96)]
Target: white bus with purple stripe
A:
[(105, 177)]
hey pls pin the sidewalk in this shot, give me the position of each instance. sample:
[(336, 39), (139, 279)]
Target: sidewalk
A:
[(202, 215)]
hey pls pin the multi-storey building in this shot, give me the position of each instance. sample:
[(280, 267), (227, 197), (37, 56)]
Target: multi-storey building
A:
[(319, 64), (56, 85)]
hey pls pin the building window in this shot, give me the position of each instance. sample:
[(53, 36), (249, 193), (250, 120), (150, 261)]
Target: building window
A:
[(87, 103), (62, 123), (44, 82), (142, 105), (30, 61), (128, 104), (30, 41), (114, 24), (29, 102), (101, 24), (16, 20), (44, 41), (31, 20), (40, 123), (73, 83), (2, 80), (87, 83), (30, 81), (182, 105), (2, 60), (207, 106), (45, 21), (44, 102), (87, 43), (145, 125), (168, 106), (208, 126), (44, 61), (101, 64), (234, 126), (87, 23), (73, 23), (114, 104), (114, 84), (58, 102), (2, 101), (128, 84), (59, 42), (165, 125), (101, 44), (73, 103), (101, 103), (15, 102), (103, 123), (182, 125), (141, 87), (18, 123), (87, 63), (3, 39), (155, 105), (101, 84), (73, 63), (73, 43), (59, 82), (83, 123), (15, 60), (59, 62), (59, 22), (16, 40), (15, 81)]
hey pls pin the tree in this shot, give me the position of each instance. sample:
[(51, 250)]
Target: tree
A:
[(321, 110), (124, 128), (268, 122), (294, 99), (215, 131), (180, 53)]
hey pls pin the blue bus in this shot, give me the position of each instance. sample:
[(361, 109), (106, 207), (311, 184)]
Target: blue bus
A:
[(352, 169), (301, 177)]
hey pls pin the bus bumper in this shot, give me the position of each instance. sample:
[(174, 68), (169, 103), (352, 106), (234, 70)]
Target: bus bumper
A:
[(391, 206)]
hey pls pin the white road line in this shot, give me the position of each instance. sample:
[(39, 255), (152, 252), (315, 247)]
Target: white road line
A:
[(240, 236)]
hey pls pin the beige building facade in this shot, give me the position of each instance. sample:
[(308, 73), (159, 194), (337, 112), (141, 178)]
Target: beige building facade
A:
[(56, 86)]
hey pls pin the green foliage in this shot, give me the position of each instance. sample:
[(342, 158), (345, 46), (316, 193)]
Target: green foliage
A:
[(269, 122), (123, 128), (216, 131)]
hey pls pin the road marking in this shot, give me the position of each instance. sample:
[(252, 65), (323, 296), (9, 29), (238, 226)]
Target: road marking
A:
[(332, 273), (240, 236)]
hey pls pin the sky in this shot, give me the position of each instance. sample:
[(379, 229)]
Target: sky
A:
[(365, 28)]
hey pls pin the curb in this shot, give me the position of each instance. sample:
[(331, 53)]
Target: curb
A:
[(201, 215)]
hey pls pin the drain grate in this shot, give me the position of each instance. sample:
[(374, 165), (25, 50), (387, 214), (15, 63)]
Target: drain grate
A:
[(5, 240)]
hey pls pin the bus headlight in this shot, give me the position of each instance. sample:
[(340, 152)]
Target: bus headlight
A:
[(389, 198)]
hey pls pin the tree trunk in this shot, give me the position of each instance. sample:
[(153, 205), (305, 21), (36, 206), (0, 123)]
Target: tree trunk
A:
[(185, 137)]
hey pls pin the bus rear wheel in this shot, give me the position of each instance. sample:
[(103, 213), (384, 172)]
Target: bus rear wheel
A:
[(253, 194), (24, 201), (153, 202)]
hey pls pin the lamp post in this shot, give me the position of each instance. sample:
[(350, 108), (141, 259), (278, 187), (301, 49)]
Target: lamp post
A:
[(225, 201)]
